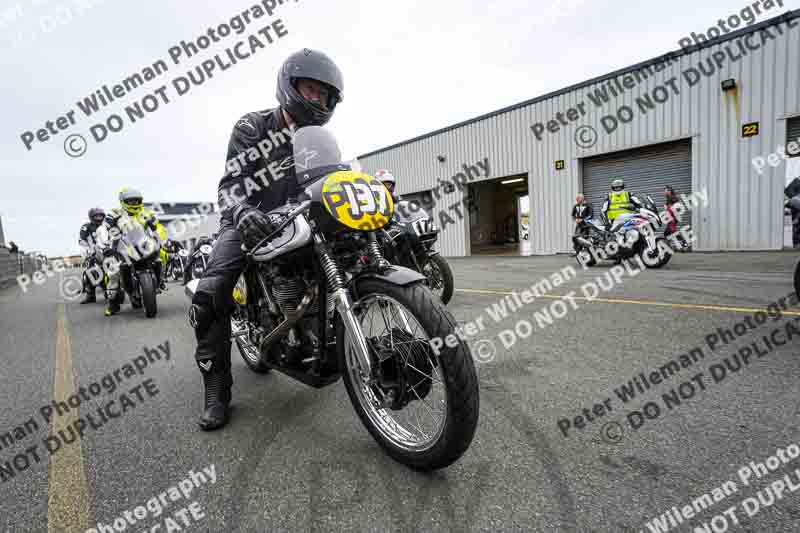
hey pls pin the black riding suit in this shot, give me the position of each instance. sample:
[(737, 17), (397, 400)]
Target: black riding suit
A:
[(258, 143), (87, 239)]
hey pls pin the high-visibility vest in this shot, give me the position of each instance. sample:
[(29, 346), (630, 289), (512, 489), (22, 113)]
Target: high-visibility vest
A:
[(619, 204)]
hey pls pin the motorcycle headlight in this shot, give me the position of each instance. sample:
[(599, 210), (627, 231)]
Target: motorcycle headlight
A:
[(206, 249), (183, 253)]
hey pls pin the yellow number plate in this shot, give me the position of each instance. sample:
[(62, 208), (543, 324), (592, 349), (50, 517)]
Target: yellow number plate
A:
[(357, 200)]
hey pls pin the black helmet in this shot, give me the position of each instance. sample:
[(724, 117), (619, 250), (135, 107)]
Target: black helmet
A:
[(617, 185), (96, 212), (313, 65)]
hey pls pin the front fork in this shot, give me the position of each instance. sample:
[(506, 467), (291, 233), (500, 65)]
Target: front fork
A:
[(344, 305)]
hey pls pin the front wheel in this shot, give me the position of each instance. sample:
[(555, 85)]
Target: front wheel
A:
[(422, 407), (147, 285), (658, 257), (440, 277)]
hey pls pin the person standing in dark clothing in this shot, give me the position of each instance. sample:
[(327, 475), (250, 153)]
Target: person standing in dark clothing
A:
[(581, 212)]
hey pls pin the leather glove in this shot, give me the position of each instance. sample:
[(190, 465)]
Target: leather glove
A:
[(253, 225)]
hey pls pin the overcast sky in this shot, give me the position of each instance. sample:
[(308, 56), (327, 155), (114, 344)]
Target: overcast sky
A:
[(409, 68)]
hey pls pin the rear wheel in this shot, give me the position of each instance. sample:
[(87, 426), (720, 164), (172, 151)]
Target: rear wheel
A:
[(422, 408), (147, 284), (440, 277), (241, 330)]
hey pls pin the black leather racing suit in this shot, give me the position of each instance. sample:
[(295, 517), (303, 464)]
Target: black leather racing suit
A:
[(260, 142), (87, 239)]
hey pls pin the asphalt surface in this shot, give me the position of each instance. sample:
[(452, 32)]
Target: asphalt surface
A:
[(298, 459)]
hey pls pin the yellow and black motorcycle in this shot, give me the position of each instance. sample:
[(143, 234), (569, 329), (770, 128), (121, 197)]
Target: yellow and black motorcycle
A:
[(317, 301)]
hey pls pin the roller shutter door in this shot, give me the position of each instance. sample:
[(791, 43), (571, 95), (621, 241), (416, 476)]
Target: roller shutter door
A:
[(793, 131), (646, 171)]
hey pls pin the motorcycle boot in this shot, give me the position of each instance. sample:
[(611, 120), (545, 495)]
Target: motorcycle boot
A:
[(213, 356), (115, 294), (89, 297), (114, 301), (162, 286)]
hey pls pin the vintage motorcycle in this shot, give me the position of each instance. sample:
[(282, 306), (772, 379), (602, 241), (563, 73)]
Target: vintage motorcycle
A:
[(139, 249), (318, 301), (198, 261), (408, 241), (630, 235)]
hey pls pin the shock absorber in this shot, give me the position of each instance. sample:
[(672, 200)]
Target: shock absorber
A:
[(329, 266), (375, 253)]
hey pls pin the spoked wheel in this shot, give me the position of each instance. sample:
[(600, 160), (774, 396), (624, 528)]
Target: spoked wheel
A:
[(440, 277), (422, 408), (240, 330)]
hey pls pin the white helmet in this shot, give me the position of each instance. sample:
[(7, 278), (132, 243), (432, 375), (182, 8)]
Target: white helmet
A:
[(384, 176)]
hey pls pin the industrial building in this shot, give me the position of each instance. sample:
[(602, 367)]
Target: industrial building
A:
[(717, 117)]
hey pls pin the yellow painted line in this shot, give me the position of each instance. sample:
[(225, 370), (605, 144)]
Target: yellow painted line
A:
[(747, 310), (68, 491)]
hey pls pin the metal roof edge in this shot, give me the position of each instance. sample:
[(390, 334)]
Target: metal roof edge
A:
[(789, 15)]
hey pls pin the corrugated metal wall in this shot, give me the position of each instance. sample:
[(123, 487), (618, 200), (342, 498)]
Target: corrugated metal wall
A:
[(745, 211)]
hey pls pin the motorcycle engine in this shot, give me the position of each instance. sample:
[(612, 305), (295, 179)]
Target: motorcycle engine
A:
[(301, 341)]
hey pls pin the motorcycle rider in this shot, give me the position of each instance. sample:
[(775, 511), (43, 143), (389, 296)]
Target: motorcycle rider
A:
[(91, 234), (196, 246), (171, 248), (131, 204), (388, 180), (308, 90), (619, 202)]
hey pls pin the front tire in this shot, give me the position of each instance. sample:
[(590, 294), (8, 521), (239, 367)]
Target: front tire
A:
[(147, 284), (659, 257), (442, 284), (453, 367)]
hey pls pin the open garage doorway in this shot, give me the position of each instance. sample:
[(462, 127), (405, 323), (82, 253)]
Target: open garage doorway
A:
[(494, 215)]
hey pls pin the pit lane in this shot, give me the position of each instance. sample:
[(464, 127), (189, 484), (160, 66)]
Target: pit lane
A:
[(296, 458)]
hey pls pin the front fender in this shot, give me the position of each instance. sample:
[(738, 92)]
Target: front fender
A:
[(395, 274)]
